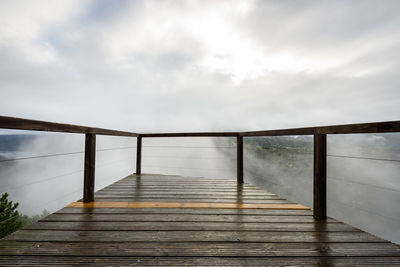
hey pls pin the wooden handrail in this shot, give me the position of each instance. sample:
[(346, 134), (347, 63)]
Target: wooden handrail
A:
[(35, 125), (320, 156), (193, 134), (372, 127)]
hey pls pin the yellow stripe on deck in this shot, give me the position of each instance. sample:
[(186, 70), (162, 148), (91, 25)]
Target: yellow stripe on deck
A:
[(186, 205)]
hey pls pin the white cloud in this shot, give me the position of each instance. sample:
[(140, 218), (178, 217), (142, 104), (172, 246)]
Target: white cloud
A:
[(23, 24), (199, 65)]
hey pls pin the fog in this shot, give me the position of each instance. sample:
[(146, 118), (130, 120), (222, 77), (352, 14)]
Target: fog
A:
[(362, 192), (200, 65), (363, 171), (197, 157), (366, 192), (51, 182)]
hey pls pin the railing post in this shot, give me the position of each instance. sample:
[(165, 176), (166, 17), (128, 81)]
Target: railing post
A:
[(239, 167), (89, 173), (139, 155), (319, 176)]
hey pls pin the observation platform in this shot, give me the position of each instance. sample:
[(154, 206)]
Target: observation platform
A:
[(172, 220)]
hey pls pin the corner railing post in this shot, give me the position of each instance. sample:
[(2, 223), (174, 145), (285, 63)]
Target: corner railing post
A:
[(139, 155), (319, 176), (89, 172), (239, 167)]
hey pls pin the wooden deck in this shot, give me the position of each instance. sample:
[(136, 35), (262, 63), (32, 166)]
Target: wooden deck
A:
[(173, 220)]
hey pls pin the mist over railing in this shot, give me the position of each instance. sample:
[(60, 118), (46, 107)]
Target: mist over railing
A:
[(319, 152)]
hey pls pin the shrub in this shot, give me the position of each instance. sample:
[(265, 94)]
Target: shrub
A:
[(10, 219)]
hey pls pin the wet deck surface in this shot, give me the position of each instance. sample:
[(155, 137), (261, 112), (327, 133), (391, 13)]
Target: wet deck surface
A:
[(173, 220)]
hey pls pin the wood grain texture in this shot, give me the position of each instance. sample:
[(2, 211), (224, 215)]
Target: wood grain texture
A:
[(165, 260), (373, 127), (204, 249), (191, 205), (89, 171), (320, 169), (112, 234), (35, 125)]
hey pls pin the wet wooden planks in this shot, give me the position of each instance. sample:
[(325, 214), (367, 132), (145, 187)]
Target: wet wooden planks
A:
[(191, 236)]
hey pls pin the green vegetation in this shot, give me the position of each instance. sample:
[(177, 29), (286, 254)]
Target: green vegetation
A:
[(11, 220), (288, 156)]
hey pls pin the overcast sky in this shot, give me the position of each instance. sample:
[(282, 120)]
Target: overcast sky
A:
[(200, 65)]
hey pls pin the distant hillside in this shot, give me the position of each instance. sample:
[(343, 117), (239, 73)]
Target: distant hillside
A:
[(281, 142)]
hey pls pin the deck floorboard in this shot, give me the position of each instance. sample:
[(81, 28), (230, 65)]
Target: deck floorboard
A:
[(154, 236)]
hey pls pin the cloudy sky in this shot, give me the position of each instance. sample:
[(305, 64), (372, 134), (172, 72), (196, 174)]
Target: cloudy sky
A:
[(200, 65)]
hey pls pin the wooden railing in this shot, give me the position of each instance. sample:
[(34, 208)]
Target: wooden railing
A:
[(320, 147)]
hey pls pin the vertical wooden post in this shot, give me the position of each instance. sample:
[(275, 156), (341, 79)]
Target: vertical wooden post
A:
[(319, 176), (139, 155), (89, 173), (239, 167)]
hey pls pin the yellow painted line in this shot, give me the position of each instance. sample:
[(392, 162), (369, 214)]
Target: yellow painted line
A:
[(186, 205)]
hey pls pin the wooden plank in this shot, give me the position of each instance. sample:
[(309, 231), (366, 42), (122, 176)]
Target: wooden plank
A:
[(181, 192), (163, 185), (201, 233), (203, 249), (189, 236), (191, 226), (183, 186), (177, 187), (184, 196), (167, 190), (200, 195), (180, 218), (89, 172), (222, 184), (206, 211), (176, 182), (35, 125), (200, 261), (319, 196), (191, 200), (186, 205), (205, 198)]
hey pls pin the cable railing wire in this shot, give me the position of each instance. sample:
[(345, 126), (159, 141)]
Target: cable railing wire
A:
[(329, 155), (42, 156), (116, 148), (41, 181), (182, 157), (113, 162), (191, 146), (56, 199), (365, 184), (62, 154), (367, 158), (358, 207), (184, 168), (62, 175), (80, 189)]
